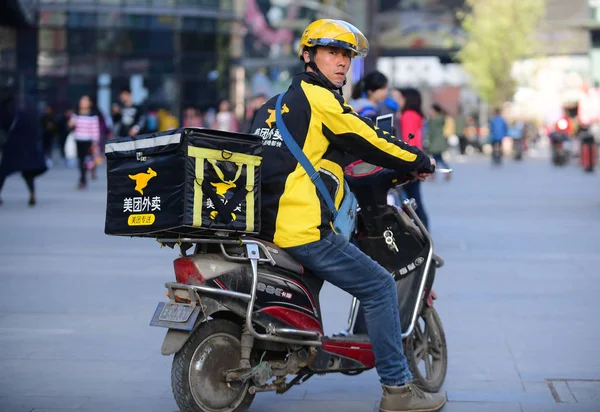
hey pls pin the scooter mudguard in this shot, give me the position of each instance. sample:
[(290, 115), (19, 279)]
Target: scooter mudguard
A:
[(174, 340)]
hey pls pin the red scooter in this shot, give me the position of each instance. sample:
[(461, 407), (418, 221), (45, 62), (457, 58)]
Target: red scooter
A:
[(560, 139), (244, 317)]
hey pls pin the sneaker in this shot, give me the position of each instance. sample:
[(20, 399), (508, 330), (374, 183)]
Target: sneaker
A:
[(409, 398)]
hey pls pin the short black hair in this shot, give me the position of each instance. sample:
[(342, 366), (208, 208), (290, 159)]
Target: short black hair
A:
[(374, 80)]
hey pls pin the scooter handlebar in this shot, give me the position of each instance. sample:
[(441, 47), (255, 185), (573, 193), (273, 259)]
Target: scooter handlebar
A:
[(409, 178), (443, 171)]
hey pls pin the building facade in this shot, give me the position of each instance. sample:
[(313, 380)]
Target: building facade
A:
[(171, 53)]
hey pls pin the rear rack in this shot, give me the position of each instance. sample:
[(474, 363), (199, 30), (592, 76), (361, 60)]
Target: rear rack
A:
[(253, 249)]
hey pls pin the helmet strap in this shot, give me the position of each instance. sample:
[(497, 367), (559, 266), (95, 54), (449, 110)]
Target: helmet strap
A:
[(315, 68)]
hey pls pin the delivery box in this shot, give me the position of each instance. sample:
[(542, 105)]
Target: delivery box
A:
[(182, 183)]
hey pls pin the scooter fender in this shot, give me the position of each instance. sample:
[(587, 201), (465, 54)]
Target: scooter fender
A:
[(430, 298), (175, 339)]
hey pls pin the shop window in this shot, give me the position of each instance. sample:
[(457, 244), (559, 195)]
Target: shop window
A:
[(159, 66), (52, 63), (82, 19), (52, 18), (109, 65), (8, 38), (198, 42), (81, 42), (137, 21), (113, 42), (53, 90), (199, 24), (147, 43), (8, 48), (163, 22), (110, 19), (161, 42), (82, 65), (52, 39)]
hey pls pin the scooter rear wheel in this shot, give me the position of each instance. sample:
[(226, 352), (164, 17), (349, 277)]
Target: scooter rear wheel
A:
[(198, 370), (426, 351)]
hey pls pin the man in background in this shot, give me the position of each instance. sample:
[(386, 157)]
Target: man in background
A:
[(132, 118)]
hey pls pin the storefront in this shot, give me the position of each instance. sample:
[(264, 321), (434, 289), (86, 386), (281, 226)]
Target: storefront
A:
[(171, 53)]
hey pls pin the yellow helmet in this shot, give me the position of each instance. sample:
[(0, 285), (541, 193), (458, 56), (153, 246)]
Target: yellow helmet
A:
[(334, 33)]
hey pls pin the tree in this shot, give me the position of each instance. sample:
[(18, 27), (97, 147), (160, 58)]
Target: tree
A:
[(499, 33)]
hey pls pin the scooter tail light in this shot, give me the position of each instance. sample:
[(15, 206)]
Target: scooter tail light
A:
[(187, 272)]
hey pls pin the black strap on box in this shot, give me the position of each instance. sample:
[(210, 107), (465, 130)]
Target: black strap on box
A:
[(224, 210)]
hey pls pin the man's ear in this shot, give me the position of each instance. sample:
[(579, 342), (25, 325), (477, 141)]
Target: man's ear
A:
[(306, 56)]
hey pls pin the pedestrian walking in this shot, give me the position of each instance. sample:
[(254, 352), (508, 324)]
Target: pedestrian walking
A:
[(86, 125), (21, 151), (437, 139)]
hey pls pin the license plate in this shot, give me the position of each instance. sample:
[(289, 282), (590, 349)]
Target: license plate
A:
[(174, 315), (175, 312)]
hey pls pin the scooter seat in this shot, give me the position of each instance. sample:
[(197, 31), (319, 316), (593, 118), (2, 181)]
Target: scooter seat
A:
[(283, 259)]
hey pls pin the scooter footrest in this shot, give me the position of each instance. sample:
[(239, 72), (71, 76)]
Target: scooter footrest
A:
[(360, 338)]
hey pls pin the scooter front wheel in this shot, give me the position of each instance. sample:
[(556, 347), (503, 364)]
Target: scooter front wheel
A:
[(198, 370), (426, 351)]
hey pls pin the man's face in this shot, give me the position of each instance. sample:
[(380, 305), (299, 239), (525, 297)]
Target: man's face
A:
[(125, 98), (334, 63)]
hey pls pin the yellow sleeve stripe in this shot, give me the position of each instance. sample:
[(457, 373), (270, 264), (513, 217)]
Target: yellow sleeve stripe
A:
[(340, 122)]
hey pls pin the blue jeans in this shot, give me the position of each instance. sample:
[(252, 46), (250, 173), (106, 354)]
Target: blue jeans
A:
[(347, 267)]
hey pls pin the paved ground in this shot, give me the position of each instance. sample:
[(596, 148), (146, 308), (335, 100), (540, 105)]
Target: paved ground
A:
[(518, 298)]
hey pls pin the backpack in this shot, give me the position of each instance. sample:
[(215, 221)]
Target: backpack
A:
[(369, 111)]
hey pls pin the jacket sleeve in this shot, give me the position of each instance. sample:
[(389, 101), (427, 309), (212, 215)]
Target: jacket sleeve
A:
[(358, 135)]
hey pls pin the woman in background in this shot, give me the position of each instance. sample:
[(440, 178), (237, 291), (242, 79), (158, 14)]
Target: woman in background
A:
[(368, 94), (86, 125), (411, 123)]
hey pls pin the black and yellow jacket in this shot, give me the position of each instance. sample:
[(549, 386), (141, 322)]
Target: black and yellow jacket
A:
[(325, 127)]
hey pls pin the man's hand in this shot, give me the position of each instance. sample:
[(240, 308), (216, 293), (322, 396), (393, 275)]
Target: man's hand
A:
[(134, 131), (423, 175)]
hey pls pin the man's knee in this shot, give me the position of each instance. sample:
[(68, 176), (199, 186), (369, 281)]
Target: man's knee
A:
[(385, 284)]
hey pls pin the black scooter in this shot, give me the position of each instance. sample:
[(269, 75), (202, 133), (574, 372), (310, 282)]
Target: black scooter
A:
[(243, 316)]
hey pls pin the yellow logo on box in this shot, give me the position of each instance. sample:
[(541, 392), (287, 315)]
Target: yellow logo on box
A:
[(141, 179), (141, 220)]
